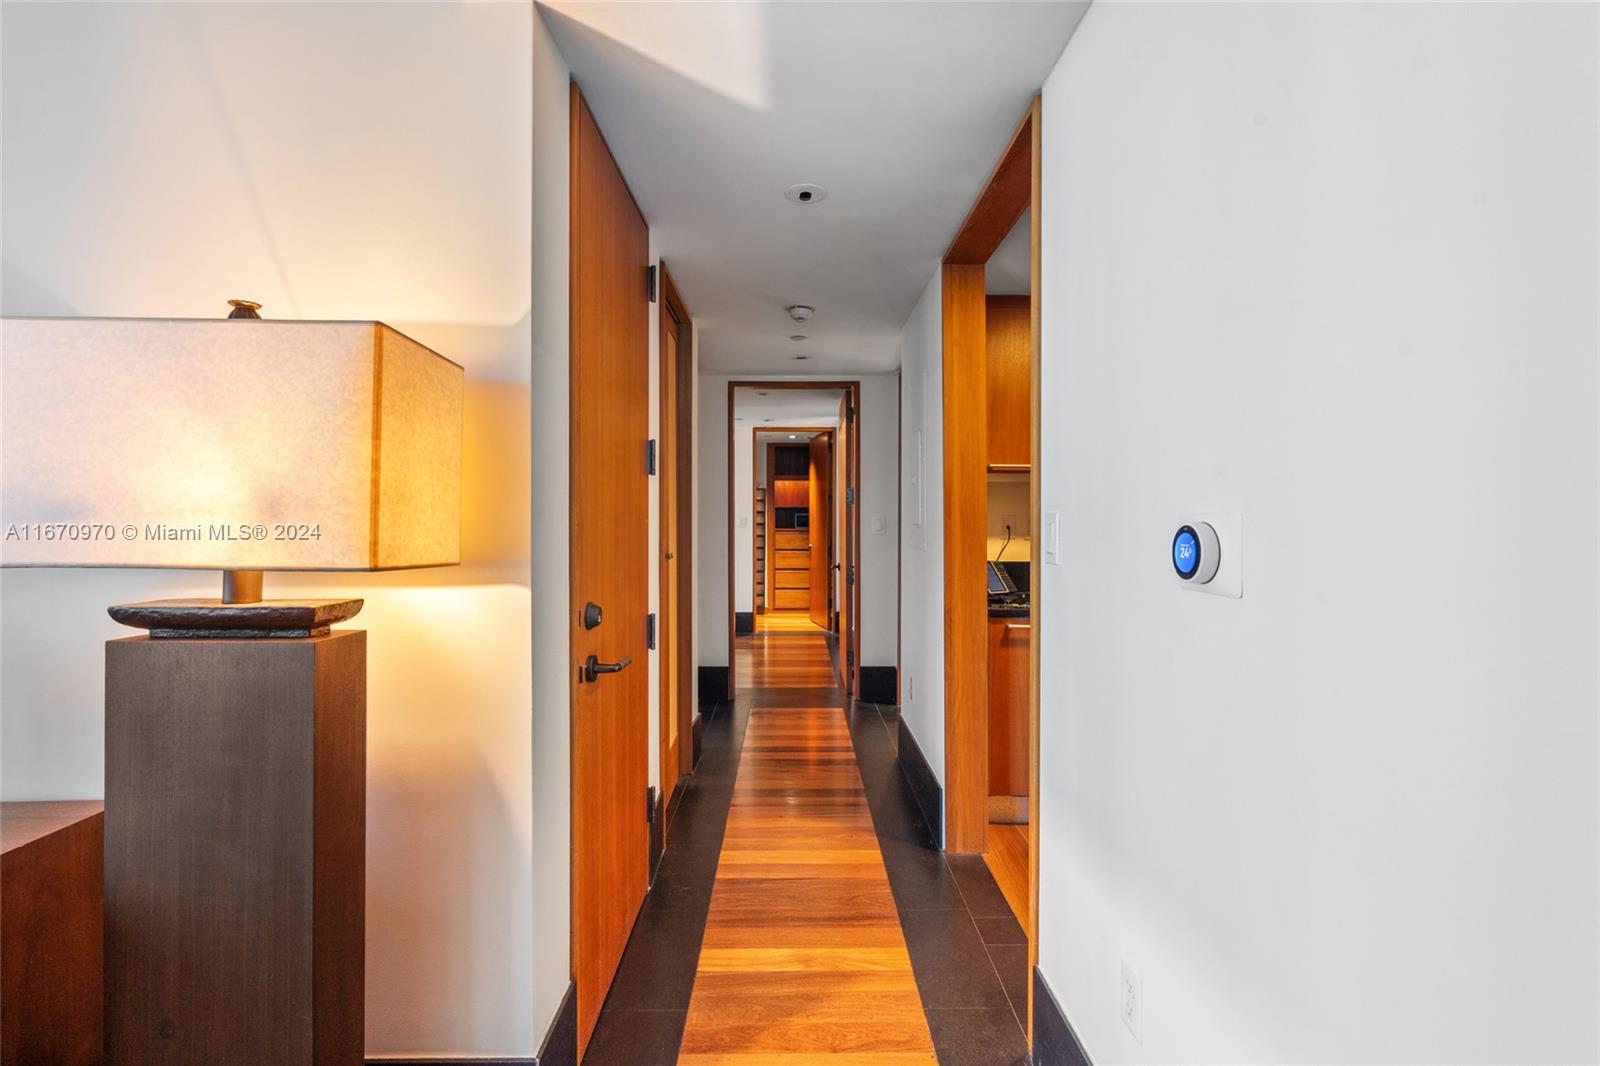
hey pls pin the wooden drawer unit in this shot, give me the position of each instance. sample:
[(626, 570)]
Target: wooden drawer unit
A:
[(791, 559), (791, 538), (792, 579), (789, 599)]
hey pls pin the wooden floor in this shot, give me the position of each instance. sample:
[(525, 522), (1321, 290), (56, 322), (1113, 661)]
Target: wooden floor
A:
[(803, 960), (1007, 859), (775, 621)]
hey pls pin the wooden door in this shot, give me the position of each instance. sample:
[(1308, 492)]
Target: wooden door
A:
[(610, 551), (820, 526), (848, 497), (670, 617)]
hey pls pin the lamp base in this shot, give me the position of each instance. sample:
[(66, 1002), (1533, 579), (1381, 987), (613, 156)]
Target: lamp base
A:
[(214, 619)]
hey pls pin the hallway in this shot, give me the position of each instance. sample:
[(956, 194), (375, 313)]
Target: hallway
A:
[(801, 912), (802, 956)]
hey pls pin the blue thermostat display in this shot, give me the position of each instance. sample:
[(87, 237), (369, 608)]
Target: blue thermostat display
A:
[(1186, 552), (1196, 554)]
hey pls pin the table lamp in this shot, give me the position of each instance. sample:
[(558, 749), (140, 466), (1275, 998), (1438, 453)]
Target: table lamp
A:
[(235, 746)]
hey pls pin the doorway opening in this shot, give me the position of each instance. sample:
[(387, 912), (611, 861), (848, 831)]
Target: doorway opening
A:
[(990, 306), (793, 522)]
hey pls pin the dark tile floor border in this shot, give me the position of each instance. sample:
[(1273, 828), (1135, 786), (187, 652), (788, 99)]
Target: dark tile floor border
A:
[(641, 1023), (968, 952)]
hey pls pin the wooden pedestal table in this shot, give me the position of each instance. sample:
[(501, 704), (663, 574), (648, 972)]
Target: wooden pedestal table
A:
[(235, 835)]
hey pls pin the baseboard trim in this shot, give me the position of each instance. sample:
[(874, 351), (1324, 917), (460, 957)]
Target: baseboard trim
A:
[(453, 1061), (925, 787), (560, 1046), (658, 833), (714, 684), (744, 623), (1055, 1043), (880, 685)]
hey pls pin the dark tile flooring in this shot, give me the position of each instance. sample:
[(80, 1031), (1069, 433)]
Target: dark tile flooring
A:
[(969, 954)]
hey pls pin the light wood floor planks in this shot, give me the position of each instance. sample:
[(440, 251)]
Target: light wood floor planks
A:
[(803, 960), (1007, 859), (775, 621)]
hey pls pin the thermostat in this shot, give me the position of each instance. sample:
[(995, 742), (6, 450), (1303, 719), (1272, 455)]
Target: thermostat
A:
[(1208, 554), (1196, 552)]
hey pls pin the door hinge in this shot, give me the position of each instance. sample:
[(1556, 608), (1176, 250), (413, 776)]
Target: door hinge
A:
[(650, 456), (650, 283), (850, 413), (650, 631), (850, 658), (850, 576), (850, 496), (650, 804)]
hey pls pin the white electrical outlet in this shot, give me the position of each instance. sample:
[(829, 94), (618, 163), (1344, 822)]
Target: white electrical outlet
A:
[(1052, 538), (1010, 521), (1132, 1004)]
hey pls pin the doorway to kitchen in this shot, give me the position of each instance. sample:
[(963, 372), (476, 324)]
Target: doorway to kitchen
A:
[(990, 323)]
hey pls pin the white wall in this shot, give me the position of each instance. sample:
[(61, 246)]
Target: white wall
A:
[(1332, 267), (552, 626), (744, 536), (159, 159), (879, 420), (922, 540), (711, 525)]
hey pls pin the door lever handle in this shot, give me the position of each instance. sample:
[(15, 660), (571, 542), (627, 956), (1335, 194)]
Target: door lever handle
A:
[(593, 667)]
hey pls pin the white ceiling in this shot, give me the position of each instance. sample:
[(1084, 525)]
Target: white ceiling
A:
[(900, 110), (785, 407)]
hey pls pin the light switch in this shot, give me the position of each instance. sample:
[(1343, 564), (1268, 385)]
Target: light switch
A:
[(879, 523), (1052, 538)]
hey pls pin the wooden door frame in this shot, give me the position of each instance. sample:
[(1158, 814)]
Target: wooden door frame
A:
[(676, 448), (851, 639), (755, 448), (1012, 187)]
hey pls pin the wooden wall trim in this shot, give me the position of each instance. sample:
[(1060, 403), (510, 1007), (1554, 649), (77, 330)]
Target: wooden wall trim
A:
[(966, 608)]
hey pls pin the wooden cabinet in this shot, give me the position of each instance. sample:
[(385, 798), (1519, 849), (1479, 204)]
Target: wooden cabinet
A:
[(1008, 706), (51, 889), (791, 493), (791, 461), (791, 568), (1009, 381)]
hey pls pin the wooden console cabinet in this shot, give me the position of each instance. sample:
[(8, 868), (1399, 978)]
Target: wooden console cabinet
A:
[(51, 890)]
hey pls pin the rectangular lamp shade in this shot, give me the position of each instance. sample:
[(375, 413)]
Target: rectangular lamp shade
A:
[(242, 445)]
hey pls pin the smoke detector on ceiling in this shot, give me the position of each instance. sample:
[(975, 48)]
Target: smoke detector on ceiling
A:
[(806, 193), (800, 312)]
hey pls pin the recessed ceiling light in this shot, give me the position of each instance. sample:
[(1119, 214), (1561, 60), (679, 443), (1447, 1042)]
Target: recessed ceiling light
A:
[(762, 394), (806, 192), (797, 336), (766, 420), (800, 312), (802, 357), (792, 436)]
